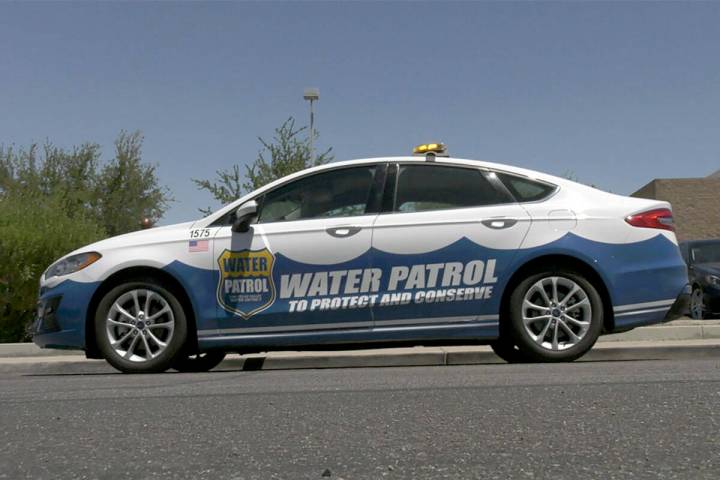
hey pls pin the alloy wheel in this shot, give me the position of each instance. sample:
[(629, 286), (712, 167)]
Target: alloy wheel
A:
[(556, 313), (140, 325)]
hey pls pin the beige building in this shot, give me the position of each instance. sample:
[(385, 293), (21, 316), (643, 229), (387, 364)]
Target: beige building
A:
[(695, 202)]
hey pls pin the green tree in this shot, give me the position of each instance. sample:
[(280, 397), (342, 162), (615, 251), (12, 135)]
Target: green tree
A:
[(46, 170), (288, 152), (127, 189), (117, 194)]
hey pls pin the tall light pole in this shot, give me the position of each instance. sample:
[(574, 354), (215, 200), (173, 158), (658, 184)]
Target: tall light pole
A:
[(312, 94)]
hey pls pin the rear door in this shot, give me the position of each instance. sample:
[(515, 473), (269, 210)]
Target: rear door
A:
[(444, 244)]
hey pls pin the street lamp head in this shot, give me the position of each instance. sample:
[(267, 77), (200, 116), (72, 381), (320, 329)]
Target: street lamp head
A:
[(311, 94)]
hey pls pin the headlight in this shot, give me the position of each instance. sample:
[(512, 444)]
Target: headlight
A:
[(714, 280), (72, 264)]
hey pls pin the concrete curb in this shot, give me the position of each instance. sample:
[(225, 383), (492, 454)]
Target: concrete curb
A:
[(684, 329), (390, 357), (13, 350), (472, 355)]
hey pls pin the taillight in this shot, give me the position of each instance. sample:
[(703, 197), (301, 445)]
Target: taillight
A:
[(661, 218)]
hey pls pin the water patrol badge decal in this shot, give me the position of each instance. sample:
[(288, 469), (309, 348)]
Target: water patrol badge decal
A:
[(246, 285)]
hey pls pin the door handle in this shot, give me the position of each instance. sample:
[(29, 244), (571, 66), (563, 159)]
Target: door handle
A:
[(342, 232), (499, 223)]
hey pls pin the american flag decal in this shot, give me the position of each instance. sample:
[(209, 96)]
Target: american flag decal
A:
[(198, 246)]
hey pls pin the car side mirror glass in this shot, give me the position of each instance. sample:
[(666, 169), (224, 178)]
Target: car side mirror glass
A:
[(244, 215)]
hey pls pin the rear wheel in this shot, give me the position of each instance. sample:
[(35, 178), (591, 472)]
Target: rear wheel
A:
[(556, 316), (697, 304), (199, 362), (140, 327)]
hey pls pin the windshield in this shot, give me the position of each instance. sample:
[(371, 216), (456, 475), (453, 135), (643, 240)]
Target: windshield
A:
[(706, 252)]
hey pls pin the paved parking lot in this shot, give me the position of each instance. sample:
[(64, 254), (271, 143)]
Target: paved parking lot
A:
[(625, 419)]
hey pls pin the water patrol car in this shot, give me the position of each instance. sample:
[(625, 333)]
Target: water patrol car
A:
[(387, 251)]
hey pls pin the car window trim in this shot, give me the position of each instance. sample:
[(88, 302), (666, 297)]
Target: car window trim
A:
[(390, 190)]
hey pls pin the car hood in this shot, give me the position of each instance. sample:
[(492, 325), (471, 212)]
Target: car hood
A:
[(169, 233)]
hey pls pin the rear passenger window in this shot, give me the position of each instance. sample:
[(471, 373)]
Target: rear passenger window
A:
[(422, 188), (524, 189)]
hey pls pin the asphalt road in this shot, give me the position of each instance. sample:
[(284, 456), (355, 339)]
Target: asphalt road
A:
[(642, 419)]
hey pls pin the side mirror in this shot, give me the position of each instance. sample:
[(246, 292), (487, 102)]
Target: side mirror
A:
[(244, 215)]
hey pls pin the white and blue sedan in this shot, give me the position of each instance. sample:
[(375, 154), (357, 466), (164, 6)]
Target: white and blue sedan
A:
[(387, 251)]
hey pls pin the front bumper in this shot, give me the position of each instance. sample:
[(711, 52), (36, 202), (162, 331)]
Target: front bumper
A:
[(61, 315)]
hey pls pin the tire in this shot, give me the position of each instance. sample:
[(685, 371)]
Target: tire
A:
[(697, 307), (508, 351), (565, 312), (140, 327), (199, 362)]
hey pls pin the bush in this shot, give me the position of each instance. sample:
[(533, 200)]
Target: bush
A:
[(33, 233), (54, 200)]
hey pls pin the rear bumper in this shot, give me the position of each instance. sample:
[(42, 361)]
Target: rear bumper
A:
[(681, 306), (628, 317)]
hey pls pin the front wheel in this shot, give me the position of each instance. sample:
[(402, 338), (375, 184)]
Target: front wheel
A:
[(556, 316), (140, 327)]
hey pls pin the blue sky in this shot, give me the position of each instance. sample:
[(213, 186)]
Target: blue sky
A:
[(618, 93)]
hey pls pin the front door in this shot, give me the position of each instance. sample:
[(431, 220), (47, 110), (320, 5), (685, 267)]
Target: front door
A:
[(305, 262)]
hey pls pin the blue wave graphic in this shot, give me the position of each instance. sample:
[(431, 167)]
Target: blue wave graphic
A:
[(633, 273)]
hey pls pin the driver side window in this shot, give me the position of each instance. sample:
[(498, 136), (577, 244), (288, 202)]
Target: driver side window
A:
[(337, 193)]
